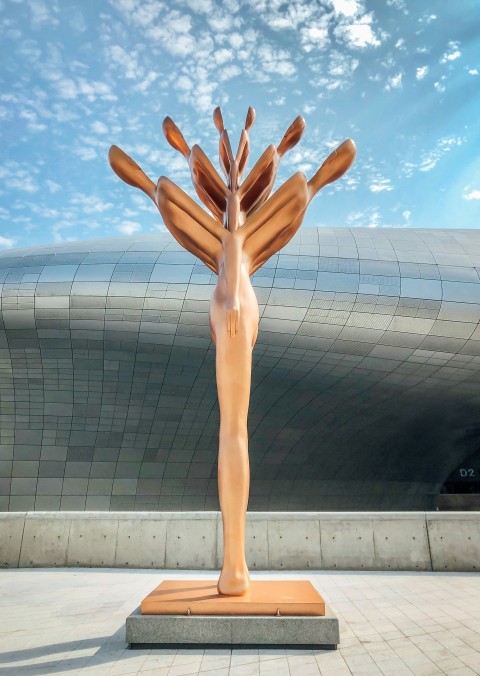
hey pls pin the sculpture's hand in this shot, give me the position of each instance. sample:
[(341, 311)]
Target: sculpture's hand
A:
[(233, 316)]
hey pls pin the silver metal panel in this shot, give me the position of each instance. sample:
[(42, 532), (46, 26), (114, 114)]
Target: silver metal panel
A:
[(366, 378)]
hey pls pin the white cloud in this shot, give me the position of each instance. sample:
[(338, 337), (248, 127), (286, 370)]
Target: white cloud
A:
[(380, 184), (85, 153), (453, 52), (42, 13), (14, 176), (147, 81), (421, 72), (32, 120), (222, 56), (473, 71), (368, 218), (345, 7), (173, 34), (52, 186), (359, 34), (129, 227), (127, 61), (200, 6), (7, 242), (315, 36), (91, 204), (276, 61), (341, 65), (471, 194), (440, 84), (393, 82), (429, 160), (228, 72), (91, 89), (99, 127)]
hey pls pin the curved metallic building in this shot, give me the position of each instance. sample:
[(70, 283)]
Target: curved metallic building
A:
[(366, 379)]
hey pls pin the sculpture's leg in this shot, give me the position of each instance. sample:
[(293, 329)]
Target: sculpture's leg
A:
[(234, 363)]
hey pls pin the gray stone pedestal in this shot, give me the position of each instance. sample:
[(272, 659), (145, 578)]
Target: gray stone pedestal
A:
[(233, 630)]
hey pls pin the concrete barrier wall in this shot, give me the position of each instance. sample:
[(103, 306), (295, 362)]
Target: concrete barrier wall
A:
[(274, 540)]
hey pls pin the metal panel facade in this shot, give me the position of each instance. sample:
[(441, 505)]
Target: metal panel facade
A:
[(365, 389)]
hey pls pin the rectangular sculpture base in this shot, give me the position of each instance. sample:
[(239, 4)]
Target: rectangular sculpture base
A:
[(265, 597), (274, 612), (318, 631)]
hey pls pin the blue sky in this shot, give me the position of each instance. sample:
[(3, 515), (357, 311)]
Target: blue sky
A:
[(401, 77)]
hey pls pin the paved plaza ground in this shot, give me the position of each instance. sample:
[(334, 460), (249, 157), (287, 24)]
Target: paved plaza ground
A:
[(72, 621)]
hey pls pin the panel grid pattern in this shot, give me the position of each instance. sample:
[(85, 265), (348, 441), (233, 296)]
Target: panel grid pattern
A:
[(365, 391)]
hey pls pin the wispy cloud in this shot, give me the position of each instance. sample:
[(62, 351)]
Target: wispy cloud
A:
[(471, 193), (429, 160), (129, 227), (19, 176), (359, 34), (367, 218), (452, 53), (394, 82), (7, 242), (380, 184)]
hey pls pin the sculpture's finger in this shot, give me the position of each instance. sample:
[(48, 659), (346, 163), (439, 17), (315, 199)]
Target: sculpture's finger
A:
[(218, 120), (250, 119), (130, 172), (229, 324), (259, 183), (242, 152), (292, 136), (225, 152), (336, 164), (207, 183), (175, 137)]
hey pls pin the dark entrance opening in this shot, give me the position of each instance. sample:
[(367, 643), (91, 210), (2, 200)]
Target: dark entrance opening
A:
[(461, 490)]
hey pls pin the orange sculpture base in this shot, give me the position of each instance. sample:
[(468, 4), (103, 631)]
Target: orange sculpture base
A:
[(200, 597)]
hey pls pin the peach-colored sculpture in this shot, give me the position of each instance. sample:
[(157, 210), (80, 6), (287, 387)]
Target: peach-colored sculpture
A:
[(247, 228)]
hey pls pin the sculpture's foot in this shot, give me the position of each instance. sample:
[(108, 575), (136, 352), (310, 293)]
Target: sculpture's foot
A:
[(233, 582)]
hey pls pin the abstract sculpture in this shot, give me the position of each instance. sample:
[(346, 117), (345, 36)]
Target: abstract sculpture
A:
[(247, 228)]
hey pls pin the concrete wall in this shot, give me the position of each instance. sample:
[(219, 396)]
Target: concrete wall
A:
[(274, 540)]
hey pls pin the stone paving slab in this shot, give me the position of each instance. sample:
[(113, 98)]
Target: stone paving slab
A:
[(72, 621)]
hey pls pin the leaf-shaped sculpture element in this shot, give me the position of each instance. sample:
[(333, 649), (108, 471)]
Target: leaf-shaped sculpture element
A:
[(129, 171)]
